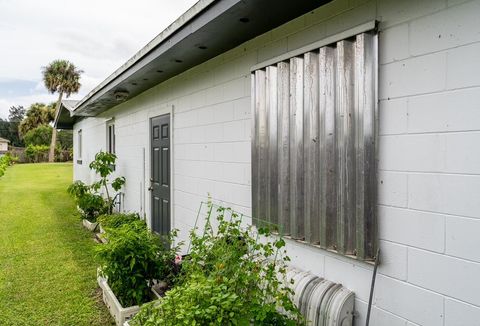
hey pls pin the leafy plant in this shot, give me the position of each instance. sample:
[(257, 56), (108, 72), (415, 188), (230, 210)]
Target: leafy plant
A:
[(65, 139), (37, 153), (37, 114), (132, 259), (91, 203), (234, 275), (9, 127), (88, 197), (78, 189), (103, 165), (116, 220), (5, 161), (40, 135)]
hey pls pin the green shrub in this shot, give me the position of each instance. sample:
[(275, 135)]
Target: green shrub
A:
[(40, 135), (5, 161), (37, 153), (233, 276), (78, 189), (103, 165), (88, 197), (132, 259), (117, 220), (90, 203)]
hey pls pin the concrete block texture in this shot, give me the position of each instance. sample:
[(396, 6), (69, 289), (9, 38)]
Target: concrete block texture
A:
[(446, 275), (444, 112), (462, 237), (412, 228), (428, 158), (460, 313), (445, 193), (408, 301)]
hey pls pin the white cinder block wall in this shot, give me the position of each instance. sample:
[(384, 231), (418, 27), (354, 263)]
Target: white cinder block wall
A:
[(429, 162)]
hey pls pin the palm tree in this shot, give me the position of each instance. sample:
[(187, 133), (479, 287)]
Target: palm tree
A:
[(37, 114), (62, 77)]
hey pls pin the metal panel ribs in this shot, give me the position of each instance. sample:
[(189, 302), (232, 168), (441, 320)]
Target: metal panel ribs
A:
[(314, 146)]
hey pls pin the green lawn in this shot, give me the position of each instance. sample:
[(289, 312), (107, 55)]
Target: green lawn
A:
[(47, 260)]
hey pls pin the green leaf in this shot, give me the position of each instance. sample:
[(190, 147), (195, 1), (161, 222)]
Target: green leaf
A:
[(280, 243)]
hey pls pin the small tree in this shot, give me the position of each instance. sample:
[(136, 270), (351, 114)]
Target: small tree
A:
[(38, 136), (37, 114), (65, 139), (88, 197), (62, 77), (15, 116), (103, 165)]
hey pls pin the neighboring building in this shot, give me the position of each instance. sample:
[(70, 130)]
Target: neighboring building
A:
[(298, 80), (3, 145)]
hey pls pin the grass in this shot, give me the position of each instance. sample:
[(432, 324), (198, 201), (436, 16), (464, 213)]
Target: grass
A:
[(47, 260)]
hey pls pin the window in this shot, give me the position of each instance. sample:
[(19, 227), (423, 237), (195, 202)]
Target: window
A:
[(314, 146), (79, 154), (111, 136)]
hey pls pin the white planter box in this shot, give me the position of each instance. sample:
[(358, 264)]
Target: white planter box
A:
[(100, 235), (89, 225), (119, 313)]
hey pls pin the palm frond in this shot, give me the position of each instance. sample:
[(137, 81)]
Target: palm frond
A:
[(62, 76)]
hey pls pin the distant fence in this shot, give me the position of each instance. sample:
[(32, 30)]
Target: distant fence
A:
[(39, 156), (18, 152)]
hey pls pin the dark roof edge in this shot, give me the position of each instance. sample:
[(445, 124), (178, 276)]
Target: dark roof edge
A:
[(179, 23), (65, 111)]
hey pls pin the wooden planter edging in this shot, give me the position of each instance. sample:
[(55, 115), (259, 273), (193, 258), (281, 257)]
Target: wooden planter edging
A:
[(91, 226), (100, 235), (155, 294), (119, 313)]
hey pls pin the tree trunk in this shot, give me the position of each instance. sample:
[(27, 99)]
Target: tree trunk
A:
[(51, 153)]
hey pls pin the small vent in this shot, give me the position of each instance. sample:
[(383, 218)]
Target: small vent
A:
[(322, 302)]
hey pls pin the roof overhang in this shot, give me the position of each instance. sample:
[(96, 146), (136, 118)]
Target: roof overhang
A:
[(64, 118), (206, 30)]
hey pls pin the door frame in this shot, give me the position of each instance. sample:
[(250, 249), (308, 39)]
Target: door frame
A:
[(164, 110)]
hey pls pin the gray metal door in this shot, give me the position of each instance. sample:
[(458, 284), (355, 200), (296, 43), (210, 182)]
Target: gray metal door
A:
[(160, 174)]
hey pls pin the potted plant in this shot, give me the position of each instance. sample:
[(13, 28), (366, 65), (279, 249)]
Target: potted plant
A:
[(89, 204), (234, 275), (95, 199), (103, 165), (133, 259)]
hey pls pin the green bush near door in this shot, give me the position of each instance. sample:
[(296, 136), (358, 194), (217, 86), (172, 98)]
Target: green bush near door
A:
[(132, 259), (234, 275)]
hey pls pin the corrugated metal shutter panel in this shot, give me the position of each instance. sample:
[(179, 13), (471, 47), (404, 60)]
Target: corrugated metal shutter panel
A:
[(314, 146)]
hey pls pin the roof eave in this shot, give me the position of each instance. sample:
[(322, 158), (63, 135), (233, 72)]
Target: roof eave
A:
[(64, 118), (206, 30)]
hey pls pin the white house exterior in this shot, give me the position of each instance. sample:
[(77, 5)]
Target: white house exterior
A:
[(428, 170), (3, 145)]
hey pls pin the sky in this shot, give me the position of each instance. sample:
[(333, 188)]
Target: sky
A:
[(98, 36)]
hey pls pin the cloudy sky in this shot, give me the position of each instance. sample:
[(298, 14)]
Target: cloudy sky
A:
[(96, 35)]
